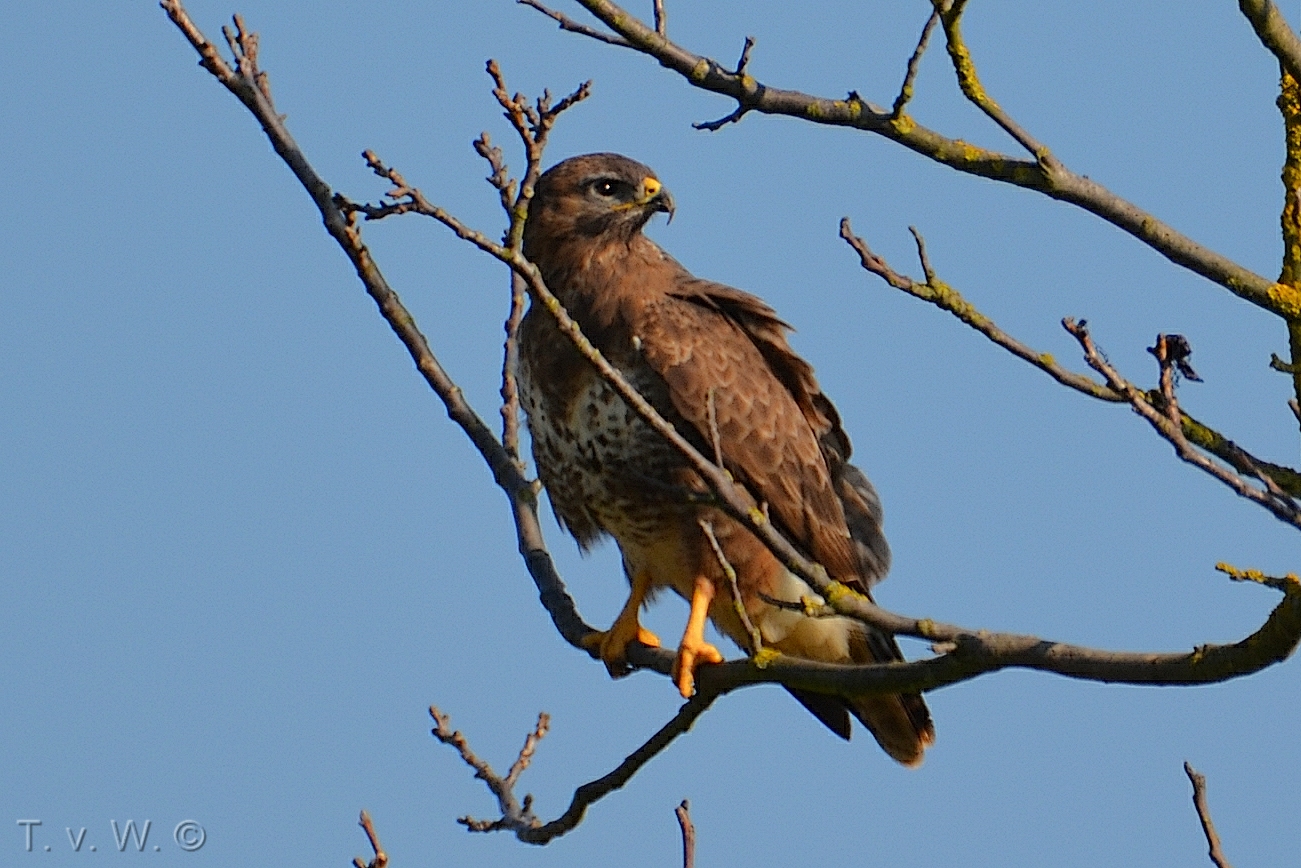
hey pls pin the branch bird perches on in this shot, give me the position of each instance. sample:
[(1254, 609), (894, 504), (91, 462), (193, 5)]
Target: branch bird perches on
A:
[(970, 652)]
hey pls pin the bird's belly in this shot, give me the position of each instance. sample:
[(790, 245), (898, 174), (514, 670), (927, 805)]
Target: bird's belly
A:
[(605, 469)]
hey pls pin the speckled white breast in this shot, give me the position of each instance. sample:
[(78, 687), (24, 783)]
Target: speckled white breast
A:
[(602, 465)]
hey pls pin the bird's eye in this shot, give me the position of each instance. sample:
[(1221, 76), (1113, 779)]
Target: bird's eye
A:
[(605, 187)]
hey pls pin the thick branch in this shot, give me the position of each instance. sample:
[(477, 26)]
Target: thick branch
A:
[(1055, 181), (1274, 33), (1289, 106), (975, 653)]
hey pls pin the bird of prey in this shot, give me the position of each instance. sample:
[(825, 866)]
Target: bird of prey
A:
[(715, 362)]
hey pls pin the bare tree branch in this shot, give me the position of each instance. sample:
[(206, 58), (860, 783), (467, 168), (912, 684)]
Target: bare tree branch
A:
[(1278, 583), (1281, 505), (756, 639), (1274, 33), (517, 815), (380, 859), (910, 75), (1289, 106), (1204, 814), (741, 108), (1048, 177), (510, 402), (567, 23), (946, 297), (969, 83), (683, 812)]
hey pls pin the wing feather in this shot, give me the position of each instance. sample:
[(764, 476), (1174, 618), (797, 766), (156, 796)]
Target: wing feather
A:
[(778, 434)]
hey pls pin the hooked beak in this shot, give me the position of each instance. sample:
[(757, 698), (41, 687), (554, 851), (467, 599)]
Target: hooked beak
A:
[(656, 198)]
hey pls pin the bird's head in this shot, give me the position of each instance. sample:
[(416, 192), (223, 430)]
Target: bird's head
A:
[(592, 197)]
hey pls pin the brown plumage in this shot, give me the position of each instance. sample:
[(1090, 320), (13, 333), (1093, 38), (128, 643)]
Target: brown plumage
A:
[(715, 362)]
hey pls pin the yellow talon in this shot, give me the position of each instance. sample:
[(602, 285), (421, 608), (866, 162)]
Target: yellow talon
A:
[(691, 655), (612, 644), (693, 649)]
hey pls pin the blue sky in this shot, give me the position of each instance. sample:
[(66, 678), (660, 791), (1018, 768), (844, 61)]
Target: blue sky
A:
[(243, 549)]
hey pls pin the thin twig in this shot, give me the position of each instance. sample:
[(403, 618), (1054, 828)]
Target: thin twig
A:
[(947, 298), (744, 60), (711, 412), (381, 858), (1204, 814), (731, 117), (683, 812), (914, 62), (567, 23), (530, 745), (591, 792), (517, 815), (738, 605), (741, 106), (1278, 583), (514, 814), (661, 19), (500, 177)]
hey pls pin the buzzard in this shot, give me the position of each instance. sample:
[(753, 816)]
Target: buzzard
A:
[(714, 361)]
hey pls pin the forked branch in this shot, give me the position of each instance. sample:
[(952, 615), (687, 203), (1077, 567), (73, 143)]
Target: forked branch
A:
[(944, 296), (517, 814), (1165, 420)]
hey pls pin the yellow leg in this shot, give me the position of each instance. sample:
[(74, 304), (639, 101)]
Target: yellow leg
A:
[(694, 650), (612, 644)]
